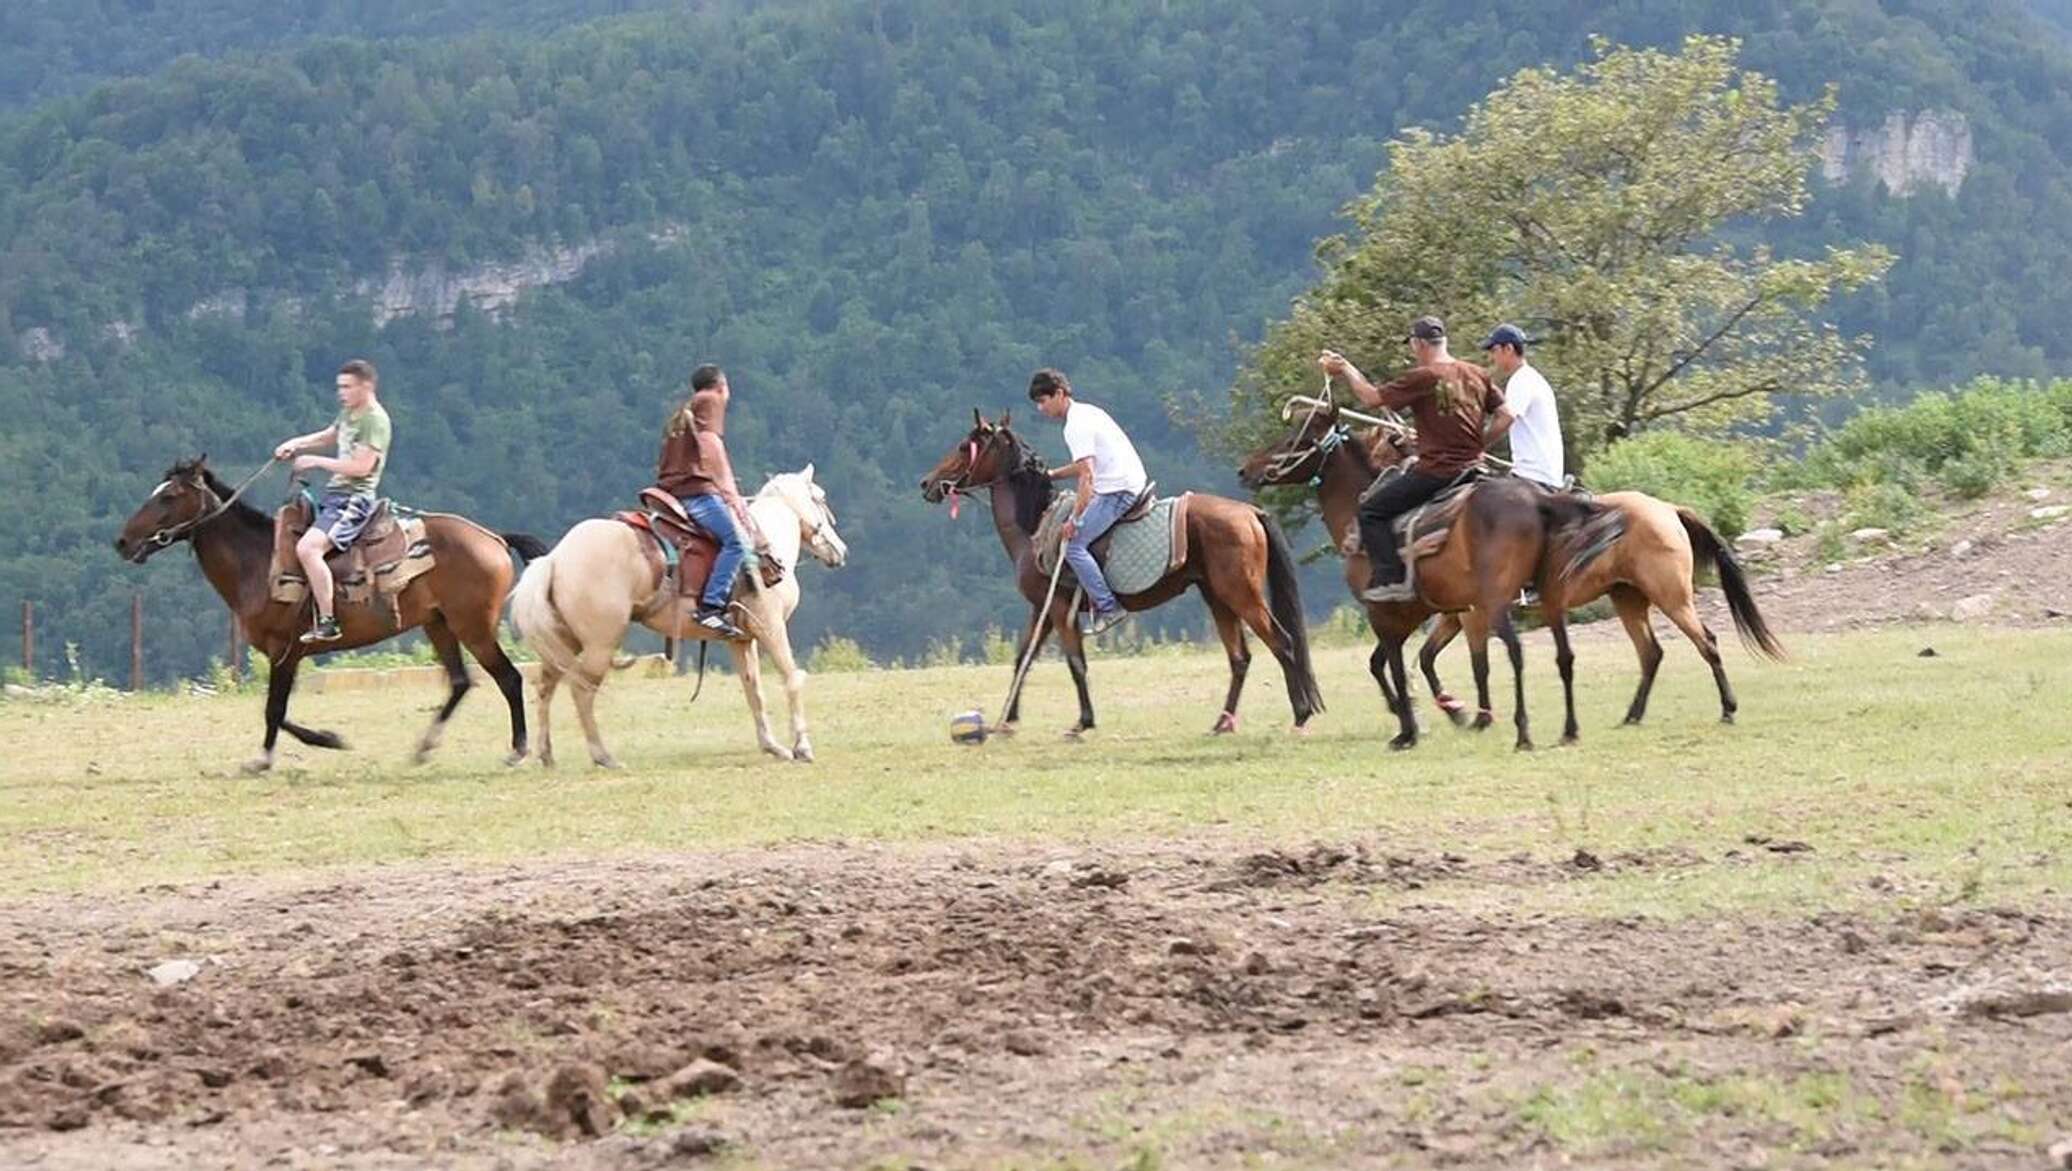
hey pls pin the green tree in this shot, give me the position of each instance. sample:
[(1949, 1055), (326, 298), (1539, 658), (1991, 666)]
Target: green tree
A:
[(1598, 208)]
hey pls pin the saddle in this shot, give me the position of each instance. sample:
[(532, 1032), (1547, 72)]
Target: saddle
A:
[(390, 553), (1145, 544), (686, 552)]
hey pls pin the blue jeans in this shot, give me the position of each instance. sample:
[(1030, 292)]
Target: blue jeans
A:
[(1101, 514), (713, 515)]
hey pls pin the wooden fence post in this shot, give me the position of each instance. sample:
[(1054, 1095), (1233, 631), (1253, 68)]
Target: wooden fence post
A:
[(136, 642)]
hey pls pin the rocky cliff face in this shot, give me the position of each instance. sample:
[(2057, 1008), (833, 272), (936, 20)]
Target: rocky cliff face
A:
[(1906, 152), (437, 290)]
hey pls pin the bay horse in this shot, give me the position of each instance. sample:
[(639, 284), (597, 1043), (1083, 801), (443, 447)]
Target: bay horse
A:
[(573, 607), (457, 601), (1508, 534), (1237, 557)]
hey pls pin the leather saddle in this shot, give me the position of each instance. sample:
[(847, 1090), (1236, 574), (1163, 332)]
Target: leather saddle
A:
[(358, 569), (683, 549)]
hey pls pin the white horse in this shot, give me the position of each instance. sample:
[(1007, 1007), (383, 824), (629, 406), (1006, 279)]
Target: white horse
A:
[(574, 605)]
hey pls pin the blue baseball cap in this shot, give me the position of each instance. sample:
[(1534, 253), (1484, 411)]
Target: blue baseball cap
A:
[(1505, 335)]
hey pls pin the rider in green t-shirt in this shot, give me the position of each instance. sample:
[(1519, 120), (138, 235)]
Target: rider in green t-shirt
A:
[(362, 434)]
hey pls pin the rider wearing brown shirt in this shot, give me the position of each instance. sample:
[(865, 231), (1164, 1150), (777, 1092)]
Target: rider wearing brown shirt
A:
[(1450, 401)]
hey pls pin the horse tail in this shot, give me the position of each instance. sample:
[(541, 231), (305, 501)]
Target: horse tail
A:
[(1284, 602), (525, 545), (1706, 546), (538, 623)]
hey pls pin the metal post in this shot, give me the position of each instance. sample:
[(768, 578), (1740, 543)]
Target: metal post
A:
[(136, 642), (29, 639)]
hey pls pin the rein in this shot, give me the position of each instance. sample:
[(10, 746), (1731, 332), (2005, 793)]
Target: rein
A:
[(168, 535)]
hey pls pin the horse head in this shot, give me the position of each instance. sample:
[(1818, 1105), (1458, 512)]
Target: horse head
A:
[(984, 457), (806, 498), (1302, 455), (180, 502)]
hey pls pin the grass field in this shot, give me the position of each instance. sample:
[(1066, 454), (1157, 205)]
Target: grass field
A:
[(1946, 778)]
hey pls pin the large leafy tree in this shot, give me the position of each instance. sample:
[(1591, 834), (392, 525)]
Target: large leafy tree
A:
[(1601, 209)]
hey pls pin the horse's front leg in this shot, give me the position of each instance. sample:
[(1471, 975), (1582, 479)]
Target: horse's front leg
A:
[(748, 664), (280, 681), (775, 636)]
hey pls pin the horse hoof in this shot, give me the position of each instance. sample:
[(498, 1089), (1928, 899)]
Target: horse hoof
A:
[(514, 758), (1727, 718), (1226, 724), (607, 761), (1483, 723), (1569, 738), (423, 754), (1630, 722), (779, 751), (547, 761), (802, 756), (1523, 745), (1299, 730), (256, 765), (1402, 744)]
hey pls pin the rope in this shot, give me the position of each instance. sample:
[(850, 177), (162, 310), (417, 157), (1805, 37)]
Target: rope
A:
[(167, 536)]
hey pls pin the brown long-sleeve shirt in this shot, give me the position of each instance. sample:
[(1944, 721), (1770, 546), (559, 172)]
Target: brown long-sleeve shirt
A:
[(694, 450)]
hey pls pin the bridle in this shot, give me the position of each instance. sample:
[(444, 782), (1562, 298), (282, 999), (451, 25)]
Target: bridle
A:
[(1285, 467), (171, 533), (954, 489)]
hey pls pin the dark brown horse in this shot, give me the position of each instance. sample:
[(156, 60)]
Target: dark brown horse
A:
[(1236, 555), (456, 601), (1508, 534)]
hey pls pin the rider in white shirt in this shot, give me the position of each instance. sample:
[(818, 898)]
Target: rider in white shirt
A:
[(1110, 476), (1529, 413)]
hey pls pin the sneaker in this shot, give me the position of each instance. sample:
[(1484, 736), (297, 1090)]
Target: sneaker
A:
[(1391, 591), (1104, 621), (325, 630), (714, 619)]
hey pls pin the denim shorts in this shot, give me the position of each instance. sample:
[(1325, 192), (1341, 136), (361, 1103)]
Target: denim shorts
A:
[(341, 516)]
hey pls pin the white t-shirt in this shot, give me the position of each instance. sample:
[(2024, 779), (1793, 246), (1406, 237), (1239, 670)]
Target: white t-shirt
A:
[(1089, 431), (1536, 435)]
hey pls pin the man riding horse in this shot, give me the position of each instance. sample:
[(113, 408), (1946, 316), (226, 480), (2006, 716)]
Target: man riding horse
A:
[(694, 468), (1450, 401), (361, 431)]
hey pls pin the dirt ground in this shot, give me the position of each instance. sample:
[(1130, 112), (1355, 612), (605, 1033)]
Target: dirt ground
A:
[(1203, 1004)]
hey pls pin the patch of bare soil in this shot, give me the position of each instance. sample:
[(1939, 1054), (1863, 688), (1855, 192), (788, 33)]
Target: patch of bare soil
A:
[(989, 1004), (1990, 561)]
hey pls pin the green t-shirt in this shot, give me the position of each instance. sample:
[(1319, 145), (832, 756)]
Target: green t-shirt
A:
[(369, 428)]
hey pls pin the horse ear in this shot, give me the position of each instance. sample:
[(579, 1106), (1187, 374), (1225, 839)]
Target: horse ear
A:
[(807, 475), (977, 420), (1005, 416)]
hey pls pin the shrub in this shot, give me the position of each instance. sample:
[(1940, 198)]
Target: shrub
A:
[(1972, 440), (837, 654), (1712, 477)]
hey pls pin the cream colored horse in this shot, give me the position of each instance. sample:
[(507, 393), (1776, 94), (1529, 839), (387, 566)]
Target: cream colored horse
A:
[(573, 607)]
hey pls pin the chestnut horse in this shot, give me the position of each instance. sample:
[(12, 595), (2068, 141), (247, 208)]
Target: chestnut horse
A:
[(1236, 555), (456, 601), (1508, 534)]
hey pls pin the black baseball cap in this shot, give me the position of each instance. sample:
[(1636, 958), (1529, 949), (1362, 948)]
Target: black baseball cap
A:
[(1505, 335), (1427, 329)]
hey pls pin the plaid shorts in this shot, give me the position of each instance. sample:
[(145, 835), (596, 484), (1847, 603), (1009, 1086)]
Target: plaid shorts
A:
[(341, 516)]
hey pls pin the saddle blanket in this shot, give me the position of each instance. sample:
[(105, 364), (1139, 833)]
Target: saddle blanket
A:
[(358, 579), (1134, 555)]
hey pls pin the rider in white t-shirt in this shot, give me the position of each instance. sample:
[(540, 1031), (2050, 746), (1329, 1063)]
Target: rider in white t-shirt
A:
[(1110, 476), (1529, 413)]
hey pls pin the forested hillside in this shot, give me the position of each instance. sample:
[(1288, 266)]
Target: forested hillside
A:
[(876, 215)]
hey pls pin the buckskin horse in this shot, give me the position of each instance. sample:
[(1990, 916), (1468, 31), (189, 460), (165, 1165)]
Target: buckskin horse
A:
[(456, 601), (573, 607), (1236, 556), (1505, 534)]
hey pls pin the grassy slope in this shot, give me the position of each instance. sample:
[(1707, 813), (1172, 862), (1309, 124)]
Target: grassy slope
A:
[(1940, 778)]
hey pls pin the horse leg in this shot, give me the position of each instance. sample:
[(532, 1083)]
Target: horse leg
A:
[(1565, 659), (1039, 633), (748, 664), (1685, 616), (1406, 718), (1476, 623), (591, 667), (776, 639), (1632, 606), (1428, 662), (447, 647), (1378, 666), (1074, 645), (1232, 632), (280, 680), (1509, 634), (549, 680), (491, 655)]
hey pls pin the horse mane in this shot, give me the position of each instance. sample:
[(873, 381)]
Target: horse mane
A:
[(1031, 485), (239, 510)]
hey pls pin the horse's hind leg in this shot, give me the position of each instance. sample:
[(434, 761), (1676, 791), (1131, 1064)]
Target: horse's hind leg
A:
[(1443, 632), (1632, 606), (447, 647), (1509, 634), (549, 680), (591, 667), (1685, 616), (1232, 632), (508, 681), (1565, 660), (749, 665), (1476, 623), (1406, 737)]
